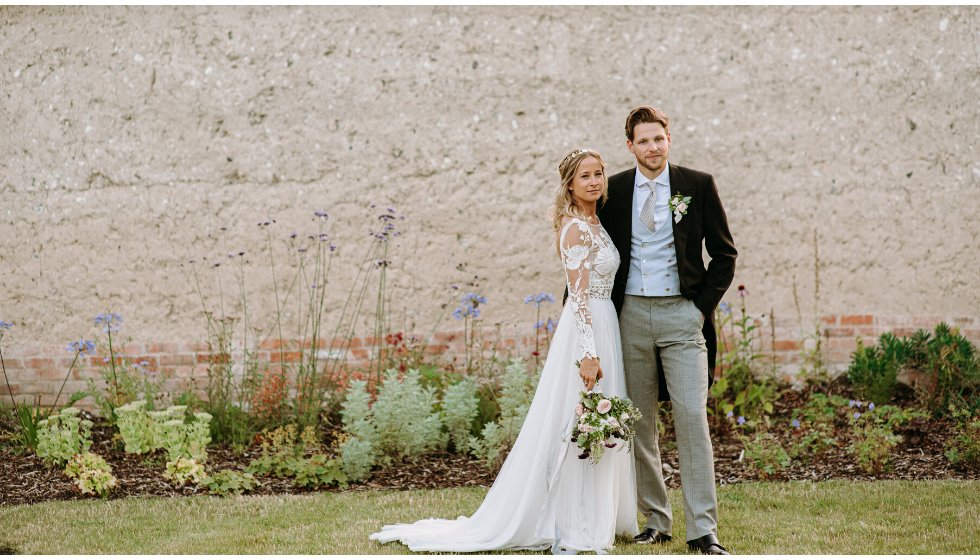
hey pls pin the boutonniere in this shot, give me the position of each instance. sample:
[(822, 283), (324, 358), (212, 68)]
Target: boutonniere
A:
[(678, 205)]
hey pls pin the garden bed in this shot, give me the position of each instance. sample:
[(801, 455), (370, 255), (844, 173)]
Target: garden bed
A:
[(26, 479)]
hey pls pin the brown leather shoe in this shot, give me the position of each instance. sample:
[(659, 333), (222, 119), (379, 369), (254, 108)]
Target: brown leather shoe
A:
[(651, 536), (707, 544)]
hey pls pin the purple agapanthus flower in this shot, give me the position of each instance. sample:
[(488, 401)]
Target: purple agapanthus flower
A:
[(110, 322), (538, 299), (473, 299), (5, 325), (466, 311), (550, 325), (82, 347)]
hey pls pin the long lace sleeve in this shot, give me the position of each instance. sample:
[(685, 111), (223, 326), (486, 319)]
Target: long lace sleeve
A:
[(576, 254)]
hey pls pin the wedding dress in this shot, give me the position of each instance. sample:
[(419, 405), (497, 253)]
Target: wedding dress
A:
[(545, 496)]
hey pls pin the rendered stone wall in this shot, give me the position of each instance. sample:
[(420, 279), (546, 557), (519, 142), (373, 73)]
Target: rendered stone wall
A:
[(843, 141)]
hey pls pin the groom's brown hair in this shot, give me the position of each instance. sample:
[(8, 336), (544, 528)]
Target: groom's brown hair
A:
[(645, 114)]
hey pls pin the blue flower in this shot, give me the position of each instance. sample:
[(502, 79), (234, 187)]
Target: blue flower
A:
[(795, 423), (871, 406), (730, 414), (857, 415), (473, 300), (741, 420), (538, 299), (82, 347), (550, 326), (320, 214), (5, 325), (725, 308), (466, 311), (109, 322)]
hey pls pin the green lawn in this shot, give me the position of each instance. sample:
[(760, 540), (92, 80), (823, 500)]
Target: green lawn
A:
[(937, 517)]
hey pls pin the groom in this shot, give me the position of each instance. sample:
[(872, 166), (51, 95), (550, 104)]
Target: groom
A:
[(658, 215)]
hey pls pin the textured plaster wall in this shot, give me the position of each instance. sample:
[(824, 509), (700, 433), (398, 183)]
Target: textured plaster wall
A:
[(129, 137)]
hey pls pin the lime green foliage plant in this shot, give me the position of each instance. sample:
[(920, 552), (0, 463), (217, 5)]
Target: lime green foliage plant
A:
[(91, 474), (227, 481), (288, 455), (182, 438), (62, 435), (135, 427), (183, 471)]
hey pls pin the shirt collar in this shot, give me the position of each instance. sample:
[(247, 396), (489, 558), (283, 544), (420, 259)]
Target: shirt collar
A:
[(664, 178)]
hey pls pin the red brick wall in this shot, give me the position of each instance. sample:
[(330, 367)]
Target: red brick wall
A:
[(39, 371)]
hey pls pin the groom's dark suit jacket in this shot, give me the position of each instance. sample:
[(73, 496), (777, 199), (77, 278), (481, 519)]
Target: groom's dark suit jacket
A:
[(705, 222)]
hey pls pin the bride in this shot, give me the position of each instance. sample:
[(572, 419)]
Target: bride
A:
[(545, 496)]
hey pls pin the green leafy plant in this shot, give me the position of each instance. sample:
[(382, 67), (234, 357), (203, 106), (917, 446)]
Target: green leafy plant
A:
[(229, 482), (182, 471), (460, 407), (404, 416), (318, 470), (765, 453), (873, 371), (357, 448), (872, 445), (91, 474), (136, 427), (62, 435), (951, 366), (497, 437), (181, 438), (964, 445)]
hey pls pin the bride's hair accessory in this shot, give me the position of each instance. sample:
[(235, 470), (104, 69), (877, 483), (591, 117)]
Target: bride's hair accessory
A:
[(574, 153)]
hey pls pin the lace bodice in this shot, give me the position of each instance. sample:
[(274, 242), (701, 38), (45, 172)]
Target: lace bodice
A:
[(590, 260)]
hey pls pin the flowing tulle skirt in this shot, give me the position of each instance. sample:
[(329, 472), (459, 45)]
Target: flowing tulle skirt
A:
[(544, 494)]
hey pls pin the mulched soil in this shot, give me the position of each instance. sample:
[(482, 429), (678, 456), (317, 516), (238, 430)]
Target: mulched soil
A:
[(25, 479)]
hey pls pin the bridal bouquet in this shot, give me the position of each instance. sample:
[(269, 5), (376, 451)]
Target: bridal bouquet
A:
[(603, 423)]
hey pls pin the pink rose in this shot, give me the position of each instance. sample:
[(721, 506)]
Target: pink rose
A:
[(579, 409), (613, 423), (604, 406), (681, 207), (584, 428)]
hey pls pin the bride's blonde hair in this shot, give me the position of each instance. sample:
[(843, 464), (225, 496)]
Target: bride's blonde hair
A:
[(564, 205)]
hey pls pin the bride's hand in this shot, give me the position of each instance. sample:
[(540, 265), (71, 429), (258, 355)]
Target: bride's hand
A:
[(591, 372)]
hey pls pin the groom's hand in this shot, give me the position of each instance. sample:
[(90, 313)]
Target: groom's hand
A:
[(591, 372)]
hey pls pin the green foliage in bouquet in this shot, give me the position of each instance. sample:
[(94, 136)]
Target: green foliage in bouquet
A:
[(497, 437), (228, 481), (601, 420), (91, 474), (62, 435)]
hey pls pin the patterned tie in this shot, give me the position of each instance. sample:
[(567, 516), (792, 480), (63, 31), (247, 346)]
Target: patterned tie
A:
[(646, 213)]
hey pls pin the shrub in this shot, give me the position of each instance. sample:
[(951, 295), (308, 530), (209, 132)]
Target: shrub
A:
[(767, 456), (497, 437), (872, 445), (952, 371), (91, 474), (403, 414), (182, 471), (227, 482), (459, 409), (873, 371), (63, 435), (318, 470), (135, 427), (357, 450), (185, 439), (964, 447)]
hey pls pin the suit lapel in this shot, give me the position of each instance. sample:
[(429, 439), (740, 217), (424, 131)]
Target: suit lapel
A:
[(678, 186)]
